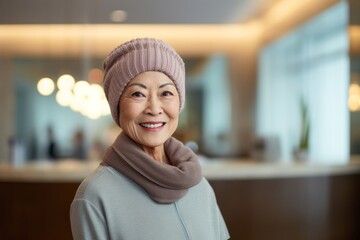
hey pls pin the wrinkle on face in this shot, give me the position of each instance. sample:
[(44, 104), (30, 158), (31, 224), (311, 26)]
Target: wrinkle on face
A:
[(151, 97)]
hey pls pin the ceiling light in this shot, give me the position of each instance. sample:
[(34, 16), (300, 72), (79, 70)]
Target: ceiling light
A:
[(118, 16)]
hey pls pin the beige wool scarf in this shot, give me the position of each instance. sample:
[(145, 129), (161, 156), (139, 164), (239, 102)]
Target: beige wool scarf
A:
[(165, 183)]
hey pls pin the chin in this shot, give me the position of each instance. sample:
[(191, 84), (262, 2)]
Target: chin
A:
[(153, 142)]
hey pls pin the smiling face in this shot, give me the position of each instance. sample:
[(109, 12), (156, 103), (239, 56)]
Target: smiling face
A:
[(149, 109)]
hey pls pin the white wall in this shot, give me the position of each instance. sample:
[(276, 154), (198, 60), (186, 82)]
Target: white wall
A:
[(310, 63)]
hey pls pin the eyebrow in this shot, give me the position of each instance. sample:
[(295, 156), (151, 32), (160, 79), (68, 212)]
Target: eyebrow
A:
[(166, 84), (143, 86), (137, 84)]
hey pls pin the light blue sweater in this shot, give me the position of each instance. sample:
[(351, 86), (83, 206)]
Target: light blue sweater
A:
[(108, 205)]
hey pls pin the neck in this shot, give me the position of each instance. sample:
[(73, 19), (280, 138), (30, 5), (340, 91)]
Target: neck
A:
[(157, 153)]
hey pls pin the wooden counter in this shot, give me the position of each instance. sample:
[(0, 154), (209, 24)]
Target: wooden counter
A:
[(69, 170), (258, 201)]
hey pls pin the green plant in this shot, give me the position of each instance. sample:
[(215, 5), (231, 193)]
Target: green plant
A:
[(305, 127)]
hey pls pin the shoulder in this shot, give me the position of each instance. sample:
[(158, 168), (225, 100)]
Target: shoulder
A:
[(204, 187), (102, 182), (200, 195)]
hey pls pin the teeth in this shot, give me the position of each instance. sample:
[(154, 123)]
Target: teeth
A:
[(147, 125)]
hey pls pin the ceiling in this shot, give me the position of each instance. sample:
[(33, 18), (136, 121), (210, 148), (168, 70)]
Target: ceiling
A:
[(73, 28), (138, 11)]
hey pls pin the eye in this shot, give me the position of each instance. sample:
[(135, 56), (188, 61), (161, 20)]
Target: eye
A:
[(137, 94), (167, 94)]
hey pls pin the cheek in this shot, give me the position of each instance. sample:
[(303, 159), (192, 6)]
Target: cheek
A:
[(174, 121), (127, 113), (174, 114), (174, 109), (174, 117)]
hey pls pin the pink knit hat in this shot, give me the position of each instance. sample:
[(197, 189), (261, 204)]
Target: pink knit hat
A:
[(137, 56)]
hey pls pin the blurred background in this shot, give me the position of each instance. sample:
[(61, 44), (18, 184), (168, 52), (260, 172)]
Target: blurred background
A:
[(267, 81), (260, 74)]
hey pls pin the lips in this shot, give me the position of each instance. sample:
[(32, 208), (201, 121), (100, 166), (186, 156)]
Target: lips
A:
[(152, 125)]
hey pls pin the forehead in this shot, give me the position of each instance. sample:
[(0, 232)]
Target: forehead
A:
[(151, 77)]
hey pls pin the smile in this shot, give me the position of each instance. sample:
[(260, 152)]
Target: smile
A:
[(152, 125)]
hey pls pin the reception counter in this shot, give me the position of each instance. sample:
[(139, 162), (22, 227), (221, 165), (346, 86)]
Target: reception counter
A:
[(258, 200), (71, 170)]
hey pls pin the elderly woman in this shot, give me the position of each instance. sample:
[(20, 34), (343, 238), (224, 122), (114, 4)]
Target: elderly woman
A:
[(149, 185)]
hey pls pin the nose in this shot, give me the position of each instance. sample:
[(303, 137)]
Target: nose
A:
[(154, 106)]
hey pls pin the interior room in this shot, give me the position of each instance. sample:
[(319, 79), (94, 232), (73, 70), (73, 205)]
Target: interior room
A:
[(272, 108)]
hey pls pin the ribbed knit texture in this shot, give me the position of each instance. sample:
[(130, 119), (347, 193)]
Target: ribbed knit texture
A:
[(137, 56)]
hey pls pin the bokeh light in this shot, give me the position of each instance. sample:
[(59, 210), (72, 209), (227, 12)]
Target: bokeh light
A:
[(45, 86), (65, 82), (354, 89), (81, 88), (95, 75), (81, 96), (64, 97), (354, 97)]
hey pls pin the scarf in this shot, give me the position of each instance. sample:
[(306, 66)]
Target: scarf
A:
[(164, 183)]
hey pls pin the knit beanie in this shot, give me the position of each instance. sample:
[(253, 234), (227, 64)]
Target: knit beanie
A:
[(135, 57)]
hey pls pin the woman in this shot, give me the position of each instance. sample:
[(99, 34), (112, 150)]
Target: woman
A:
[(149, 185)]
